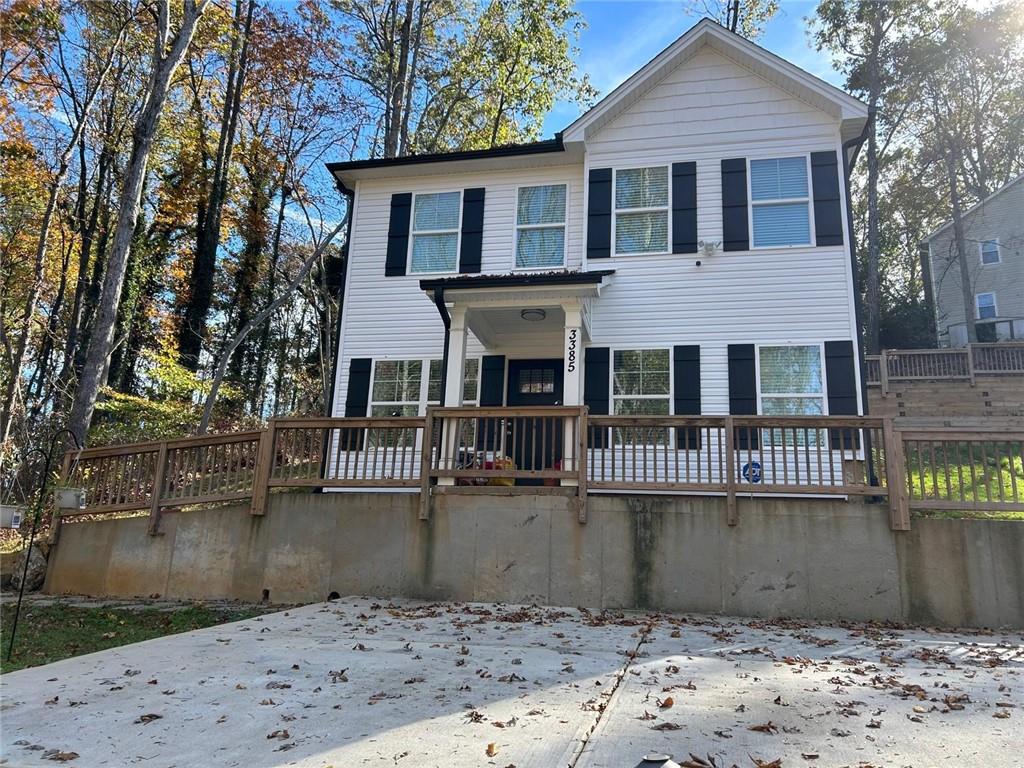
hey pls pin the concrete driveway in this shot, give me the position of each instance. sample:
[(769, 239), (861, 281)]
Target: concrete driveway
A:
[(362, 682)]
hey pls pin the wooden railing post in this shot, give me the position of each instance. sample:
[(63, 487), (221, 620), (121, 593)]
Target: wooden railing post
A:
[(731, 514), (896, 477), (970, 362), (883, 372), (581, 464), (158, 488), (264, 465), (426, 461)]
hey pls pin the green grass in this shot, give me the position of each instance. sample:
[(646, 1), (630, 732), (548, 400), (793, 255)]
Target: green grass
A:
[(48, 633)]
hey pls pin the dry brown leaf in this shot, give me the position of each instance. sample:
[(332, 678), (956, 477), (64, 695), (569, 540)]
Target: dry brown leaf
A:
[(1002, 714), (776, 763), (148, 718), (60, 757), (666, 727), (492, 749), (666, 703), (770, 728)]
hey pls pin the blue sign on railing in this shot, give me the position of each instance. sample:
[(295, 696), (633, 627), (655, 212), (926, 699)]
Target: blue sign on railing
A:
[(752, 472)]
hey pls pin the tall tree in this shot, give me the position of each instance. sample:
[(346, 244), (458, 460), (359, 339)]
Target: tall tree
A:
[(170, 44)]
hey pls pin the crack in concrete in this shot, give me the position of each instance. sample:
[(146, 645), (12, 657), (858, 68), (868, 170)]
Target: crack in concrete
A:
[(631, 657)]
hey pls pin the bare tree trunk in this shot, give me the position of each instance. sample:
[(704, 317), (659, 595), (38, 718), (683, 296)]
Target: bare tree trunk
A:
[(63, 163), (167, 55), (966, 285), (225, 355), (192, 333), (397, 95)]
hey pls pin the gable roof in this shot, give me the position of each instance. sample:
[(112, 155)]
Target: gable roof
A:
[(776, 70), (976, 206)]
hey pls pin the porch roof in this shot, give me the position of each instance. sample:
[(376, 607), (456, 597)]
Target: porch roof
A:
[(515, 280)]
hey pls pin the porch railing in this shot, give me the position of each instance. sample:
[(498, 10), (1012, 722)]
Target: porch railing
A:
[(565, 450), (961, 363)]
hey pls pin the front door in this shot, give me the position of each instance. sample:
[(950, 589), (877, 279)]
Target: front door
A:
[(535, 443)]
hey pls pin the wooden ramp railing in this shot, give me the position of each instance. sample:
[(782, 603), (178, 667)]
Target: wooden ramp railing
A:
[(960, 363), (567, 451)]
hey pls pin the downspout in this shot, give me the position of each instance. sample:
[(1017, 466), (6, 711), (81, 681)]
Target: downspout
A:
[(447, 320), (855, 144), (849, 160)]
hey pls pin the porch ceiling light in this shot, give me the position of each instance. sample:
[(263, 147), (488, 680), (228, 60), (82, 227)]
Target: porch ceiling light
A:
[(533, 315)]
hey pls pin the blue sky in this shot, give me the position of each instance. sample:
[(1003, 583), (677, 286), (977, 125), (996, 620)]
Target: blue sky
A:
[(623, 35)]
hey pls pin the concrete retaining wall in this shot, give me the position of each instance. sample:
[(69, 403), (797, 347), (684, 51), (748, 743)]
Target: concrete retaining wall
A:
[(806, 558)]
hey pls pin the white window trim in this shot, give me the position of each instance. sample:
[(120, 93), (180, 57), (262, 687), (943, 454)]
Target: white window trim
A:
[(981, 252), (977, 305), (413, 232), (667, 208), (564, 225), (425, 386), (424, 373), (824, 375), (809, 200)]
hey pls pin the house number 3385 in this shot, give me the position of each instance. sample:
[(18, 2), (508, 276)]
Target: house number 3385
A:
[(570, 353)]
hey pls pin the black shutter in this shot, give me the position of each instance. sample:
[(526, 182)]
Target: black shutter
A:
[(828, 218), (599, 214), (686, 381), (841, 376), (492, 395), (684, 207), (471, 245), (398, 234), (735, 232), (595, 391), (357, 402), (743, 391)]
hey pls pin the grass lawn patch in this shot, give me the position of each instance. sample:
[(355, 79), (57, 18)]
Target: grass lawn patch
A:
[(57, 631)]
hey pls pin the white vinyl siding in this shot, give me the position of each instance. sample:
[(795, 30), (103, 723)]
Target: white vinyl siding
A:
[(985, 303), (540, 227), (989, 251), (641, 210), (779, 202), (435, 232)]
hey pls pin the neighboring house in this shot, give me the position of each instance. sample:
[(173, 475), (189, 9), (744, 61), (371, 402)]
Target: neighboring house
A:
[(994, 234), (681, 248)]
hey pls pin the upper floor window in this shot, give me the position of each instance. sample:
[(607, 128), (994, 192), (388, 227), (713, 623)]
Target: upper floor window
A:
[(985, 303), (641, 210), (435, 232), (989, 251), (780, 205), (540, 227)]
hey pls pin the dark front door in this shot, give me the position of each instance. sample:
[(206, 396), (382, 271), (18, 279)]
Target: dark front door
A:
[(535, 442)]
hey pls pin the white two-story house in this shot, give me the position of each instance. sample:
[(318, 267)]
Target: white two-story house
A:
[(681, 248)]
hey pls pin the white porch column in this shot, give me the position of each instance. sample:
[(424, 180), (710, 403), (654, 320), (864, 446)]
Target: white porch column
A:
[(572, 378), (453, 379)]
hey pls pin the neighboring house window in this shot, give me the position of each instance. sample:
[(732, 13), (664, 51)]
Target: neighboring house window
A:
[(469, 387), (435, 232), (396, 388), (641, 382), (540, 227), (641, 210), (989, 251), (986, 305), (780, 206)]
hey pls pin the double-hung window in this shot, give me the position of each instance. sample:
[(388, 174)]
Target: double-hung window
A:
[(540, 227), (780, 205), (396, 388), (470, 382), (791, 384), (986, 305), (640, 382), (989, 251), (641, 210), (435, 232)]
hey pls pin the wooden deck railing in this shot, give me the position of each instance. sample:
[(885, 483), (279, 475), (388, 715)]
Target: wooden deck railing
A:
[(564, 450), (962, 363)]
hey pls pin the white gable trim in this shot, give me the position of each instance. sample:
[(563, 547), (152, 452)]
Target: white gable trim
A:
[(776, 70)]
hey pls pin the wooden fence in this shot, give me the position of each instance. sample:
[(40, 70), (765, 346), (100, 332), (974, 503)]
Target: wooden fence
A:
[(565, 450), (963, 363)]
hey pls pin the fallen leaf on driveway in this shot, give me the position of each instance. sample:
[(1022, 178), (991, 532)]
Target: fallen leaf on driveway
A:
[(283, 735), (776, 763), (666, 703), (809, 755), (769, 728), (492, 749), (148, 718), (666, 727), (60, 757), (1002, 714)]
